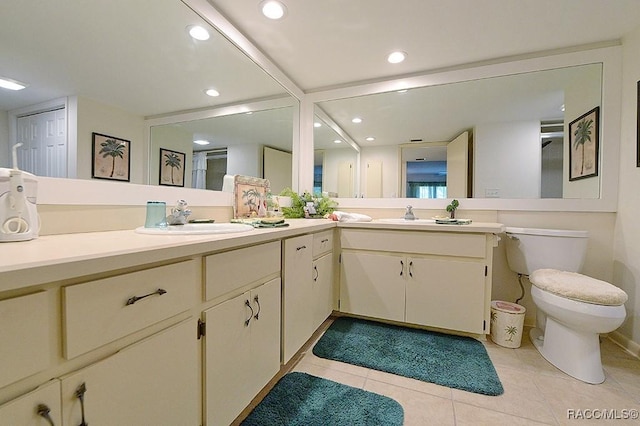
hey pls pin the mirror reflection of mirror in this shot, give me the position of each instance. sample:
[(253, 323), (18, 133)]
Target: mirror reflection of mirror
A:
[(335, 167), (105, 66), (517, 125), (254, 143)]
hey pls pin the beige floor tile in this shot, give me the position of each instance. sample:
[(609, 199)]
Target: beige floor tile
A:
[(336, 365), (420, 409), (472, 415), (567, 395), (331, 374), (521, 397), (405, 382)]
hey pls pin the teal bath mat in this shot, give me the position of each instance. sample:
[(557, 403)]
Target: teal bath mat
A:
[(454, 361), (300, 399)]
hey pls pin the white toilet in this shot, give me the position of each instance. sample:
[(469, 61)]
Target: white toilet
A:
[(572, 309)]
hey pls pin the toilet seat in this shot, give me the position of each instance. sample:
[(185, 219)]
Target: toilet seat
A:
[(578, 287)]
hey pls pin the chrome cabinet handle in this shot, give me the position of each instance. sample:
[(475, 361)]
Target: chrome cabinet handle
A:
[(43, 411), (248, 320), (255, 299), (301, 248), (326, 240), (411, 269), (134, 299), (315, 268), (82, 389), (401, 268)]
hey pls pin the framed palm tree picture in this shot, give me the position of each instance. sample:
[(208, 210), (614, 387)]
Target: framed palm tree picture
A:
[(171, 167), (584, 145), (111, 157)]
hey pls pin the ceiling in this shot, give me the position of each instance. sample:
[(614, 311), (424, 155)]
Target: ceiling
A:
[(328, 43)]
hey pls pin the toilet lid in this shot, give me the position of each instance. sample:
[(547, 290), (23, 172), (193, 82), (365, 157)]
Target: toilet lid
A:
[(578, 287)]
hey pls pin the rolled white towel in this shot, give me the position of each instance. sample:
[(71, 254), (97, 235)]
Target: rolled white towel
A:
[(349, 217)]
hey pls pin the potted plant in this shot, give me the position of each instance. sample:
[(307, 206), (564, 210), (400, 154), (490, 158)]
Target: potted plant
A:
[(451, 208)]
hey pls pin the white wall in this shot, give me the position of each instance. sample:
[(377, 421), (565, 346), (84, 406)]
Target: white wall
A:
[(507, 159), (331, 161), (626, 254), (101, 118), (581, 96), (244, 160), (5, 157), (388, 156)]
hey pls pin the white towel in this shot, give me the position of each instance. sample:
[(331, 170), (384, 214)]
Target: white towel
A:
[(349, 217)]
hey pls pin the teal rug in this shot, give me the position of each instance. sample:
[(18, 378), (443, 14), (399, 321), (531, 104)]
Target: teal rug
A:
[(300, 399), (454, 361)]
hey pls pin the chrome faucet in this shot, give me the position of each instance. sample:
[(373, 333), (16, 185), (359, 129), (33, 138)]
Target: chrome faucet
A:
[(179, 214), (409, 214)]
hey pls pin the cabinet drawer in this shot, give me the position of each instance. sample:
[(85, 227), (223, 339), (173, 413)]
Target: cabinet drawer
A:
[(436, 243), (24, 336), (24, 409), (235, 269), (101, 311), (322, 243)]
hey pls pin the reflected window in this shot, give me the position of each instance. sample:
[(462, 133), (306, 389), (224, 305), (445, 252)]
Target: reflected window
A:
[(426, 179), (317, 179)]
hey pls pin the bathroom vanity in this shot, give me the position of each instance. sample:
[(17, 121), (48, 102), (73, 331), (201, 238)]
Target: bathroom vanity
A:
[(125, 328)]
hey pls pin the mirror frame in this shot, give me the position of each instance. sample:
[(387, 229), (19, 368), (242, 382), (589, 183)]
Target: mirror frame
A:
[(610, 57)]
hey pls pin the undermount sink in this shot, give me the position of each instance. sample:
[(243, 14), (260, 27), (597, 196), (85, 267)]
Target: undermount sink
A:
[(197, 229), (402, 220)]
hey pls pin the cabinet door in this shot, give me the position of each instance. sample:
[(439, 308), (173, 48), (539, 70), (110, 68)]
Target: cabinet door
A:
[(265, 334), (297, 292), (228, 359), (322, 298), (373, 285), (447, 294), (31, 409), (153, 382)]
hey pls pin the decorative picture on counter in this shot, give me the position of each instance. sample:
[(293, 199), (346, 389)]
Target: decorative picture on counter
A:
[(111, 159), (583, 145), (250, 196), (171, 167)]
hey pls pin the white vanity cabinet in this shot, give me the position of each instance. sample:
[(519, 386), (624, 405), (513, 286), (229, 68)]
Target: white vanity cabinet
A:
[(152, 382), (39, 407), (307, 288), (435, 279), (242, 337), (242, 350)]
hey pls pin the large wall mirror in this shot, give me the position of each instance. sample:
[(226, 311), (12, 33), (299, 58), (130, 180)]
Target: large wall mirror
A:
[(509, 120), (114, 65), (513, 131)]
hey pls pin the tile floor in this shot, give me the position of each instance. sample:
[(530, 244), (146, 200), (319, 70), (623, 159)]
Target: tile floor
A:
[(535, 391)]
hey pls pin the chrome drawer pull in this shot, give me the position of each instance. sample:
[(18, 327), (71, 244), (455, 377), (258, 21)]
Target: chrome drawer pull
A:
[(248, 320), (255, 299), (82, 389), (326, 240), (301, 248), (134, 299), (43, 411)]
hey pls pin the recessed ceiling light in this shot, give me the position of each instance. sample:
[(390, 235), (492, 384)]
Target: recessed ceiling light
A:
[(337, 141), (198, 32), (273, 9), (201, 142), (249, 112), (396, 57), (370, 139), (562, 107), (212, 92), (316, 124), (10, 84), (356, 120)]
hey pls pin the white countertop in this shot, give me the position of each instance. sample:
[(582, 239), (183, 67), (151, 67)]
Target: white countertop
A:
[(62, 257)]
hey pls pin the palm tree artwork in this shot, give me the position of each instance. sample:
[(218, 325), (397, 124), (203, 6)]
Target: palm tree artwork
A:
[(252, 197), (114, 149), (511, 330), (582, 135), (173, 161)]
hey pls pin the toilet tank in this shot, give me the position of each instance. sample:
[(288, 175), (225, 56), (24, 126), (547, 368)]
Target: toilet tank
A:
[(529, 249)]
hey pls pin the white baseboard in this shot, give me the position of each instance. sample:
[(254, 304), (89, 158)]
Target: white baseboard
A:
[(629, 345)]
